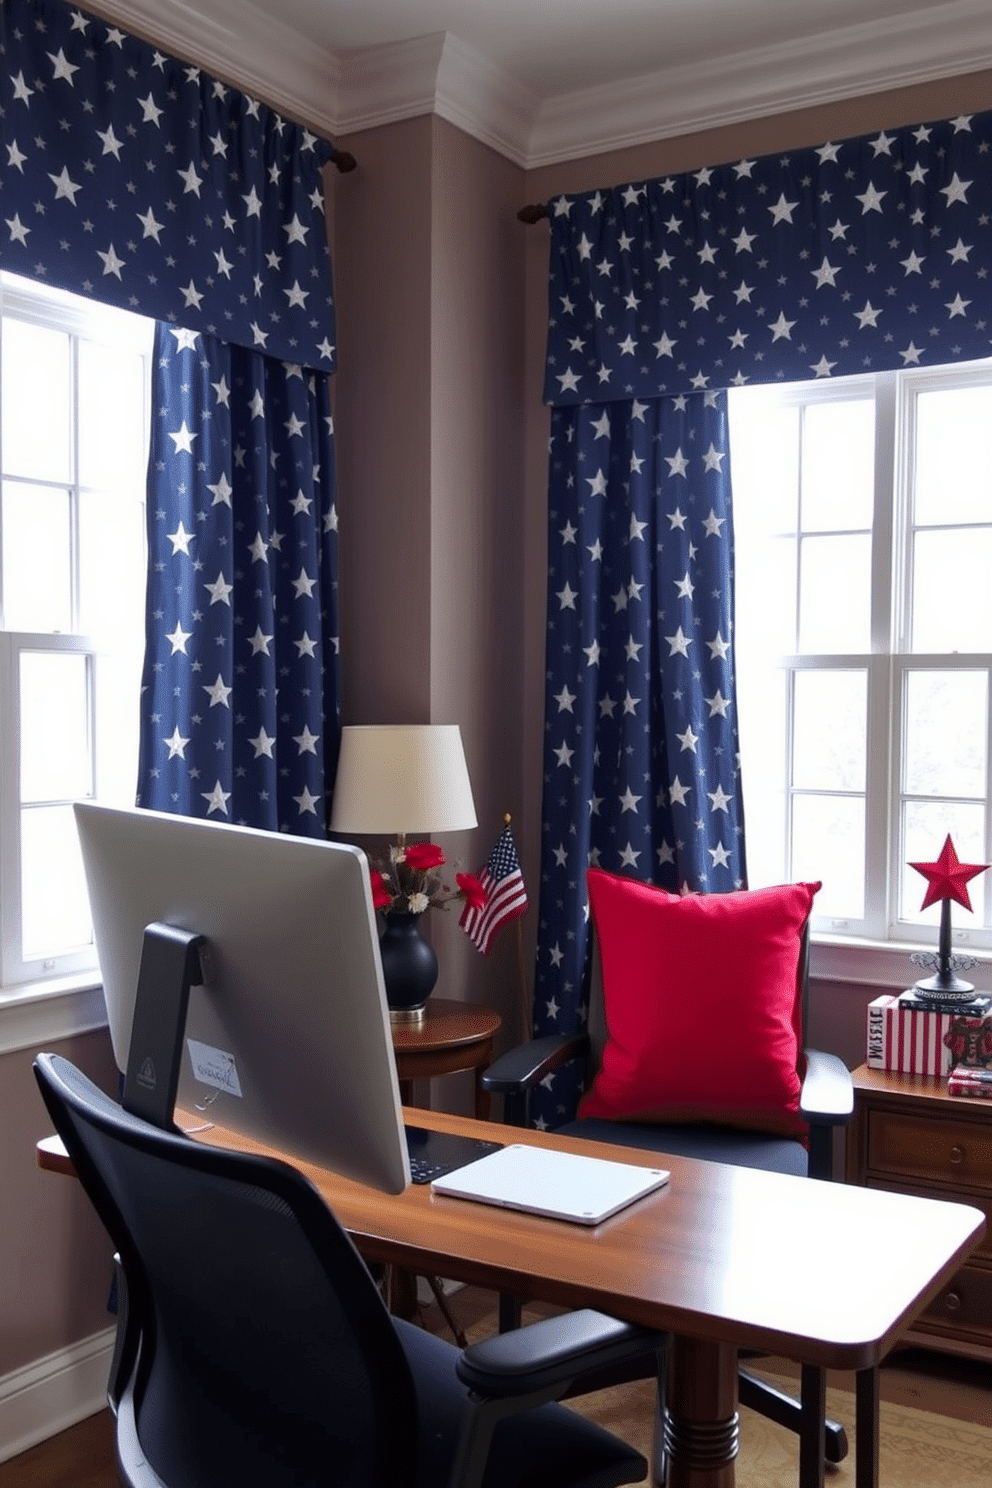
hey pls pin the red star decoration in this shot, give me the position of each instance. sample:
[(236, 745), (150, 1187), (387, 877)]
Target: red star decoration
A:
[(947, 877)]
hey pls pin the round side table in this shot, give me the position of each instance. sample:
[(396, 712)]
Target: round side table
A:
[(452, 1036)]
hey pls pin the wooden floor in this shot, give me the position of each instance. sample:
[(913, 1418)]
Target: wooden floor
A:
[(83, 1456)]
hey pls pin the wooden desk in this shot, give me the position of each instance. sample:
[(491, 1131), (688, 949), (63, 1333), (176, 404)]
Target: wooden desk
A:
[(452, 1036), (724, 1257)]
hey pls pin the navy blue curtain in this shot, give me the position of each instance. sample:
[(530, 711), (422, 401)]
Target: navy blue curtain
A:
[(240, 681), (857, 256), (640, 751), (137, 179)]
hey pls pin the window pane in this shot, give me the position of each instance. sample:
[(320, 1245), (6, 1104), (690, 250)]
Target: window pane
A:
[(828, 843), (55, 915), (765, 596), (954, 456), (55, 756), (37, 385), (952, 596), (761, 706), (111, 415), (946, 733), (830, 730), (838, 466), (925, 826), (111, 542), (835, 595), (118, 694), (765, 458), (37, 578)]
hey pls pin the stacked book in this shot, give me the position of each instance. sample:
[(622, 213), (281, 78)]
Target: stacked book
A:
[(970, 1080), (916, 1041)]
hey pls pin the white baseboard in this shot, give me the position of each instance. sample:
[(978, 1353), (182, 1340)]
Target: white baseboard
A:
[(43, 1398)]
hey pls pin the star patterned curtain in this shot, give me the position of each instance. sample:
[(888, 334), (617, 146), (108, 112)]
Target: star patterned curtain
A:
[(864, 255), (136, 179), (640, 754), (132, 178), (846, 258), (240, 718)]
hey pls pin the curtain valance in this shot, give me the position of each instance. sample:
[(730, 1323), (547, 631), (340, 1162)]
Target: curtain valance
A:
[(869, 254), (133, 178)]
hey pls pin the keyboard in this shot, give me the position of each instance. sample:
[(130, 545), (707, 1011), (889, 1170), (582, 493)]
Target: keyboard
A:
[(434, 1154)]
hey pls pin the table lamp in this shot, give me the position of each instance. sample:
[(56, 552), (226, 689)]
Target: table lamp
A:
[(400, 780)]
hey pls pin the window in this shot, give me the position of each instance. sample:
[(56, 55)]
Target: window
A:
[(74, 380), (863, 538)]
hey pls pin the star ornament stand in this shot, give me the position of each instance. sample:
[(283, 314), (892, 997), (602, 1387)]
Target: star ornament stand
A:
[(945, 992)]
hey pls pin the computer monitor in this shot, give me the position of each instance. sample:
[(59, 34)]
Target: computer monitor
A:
[(286, 1037)]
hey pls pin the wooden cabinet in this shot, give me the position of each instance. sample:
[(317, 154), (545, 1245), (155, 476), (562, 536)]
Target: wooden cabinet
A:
[(909, 1136)]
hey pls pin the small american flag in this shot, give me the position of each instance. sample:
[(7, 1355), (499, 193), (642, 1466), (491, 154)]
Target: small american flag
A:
[(506, 896)]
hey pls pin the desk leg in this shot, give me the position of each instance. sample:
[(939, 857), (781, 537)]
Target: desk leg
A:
[(702, 1426), (866, 1428), (812, 1426)]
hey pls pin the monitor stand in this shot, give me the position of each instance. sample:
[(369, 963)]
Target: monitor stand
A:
[(170, 965)]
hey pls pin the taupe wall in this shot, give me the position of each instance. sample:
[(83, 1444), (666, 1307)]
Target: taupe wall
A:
[(429, 270), (54, 1253)]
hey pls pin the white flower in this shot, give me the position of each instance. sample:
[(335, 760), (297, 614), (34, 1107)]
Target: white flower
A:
[(417, 903), (397, 854)]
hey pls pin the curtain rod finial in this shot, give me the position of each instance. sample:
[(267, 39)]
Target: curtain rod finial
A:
[(532, 214), (345, 162)]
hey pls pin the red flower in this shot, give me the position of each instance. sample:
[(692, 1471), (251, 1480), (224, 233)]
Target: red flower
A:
[(471, 890), (381, 897), (423, 856)]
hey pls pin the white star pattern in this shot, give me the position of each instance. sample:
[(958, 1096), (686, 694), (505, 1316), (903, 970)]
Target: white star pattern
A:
[(896, 201), (113, 113)]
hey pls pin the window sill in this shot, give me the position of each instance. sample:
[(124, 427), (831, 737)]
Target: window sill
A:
[(883, 964), (37, 1014)]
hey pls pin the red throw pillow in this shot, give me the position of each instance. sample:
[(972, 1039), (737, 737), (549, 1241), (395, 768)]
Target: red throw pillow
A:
[(703, 1004)]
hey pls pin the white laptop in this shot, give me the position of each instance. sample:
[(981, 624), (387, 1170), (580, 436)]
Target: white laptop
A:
[(560, 1185)]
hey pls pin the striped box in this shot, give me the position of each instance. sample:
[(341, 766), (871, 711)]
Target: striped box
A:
[(907, 1040)]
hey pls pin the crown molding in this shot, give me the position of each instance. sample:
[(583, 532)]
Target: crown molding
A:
[(437, 74), (871, 57), (338, 93), (484, 101), (383, 84)]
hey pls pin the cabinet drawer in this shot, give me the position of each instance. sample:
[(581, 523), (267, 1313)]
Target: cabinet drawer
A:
[(964, 1307), (949, 1151)]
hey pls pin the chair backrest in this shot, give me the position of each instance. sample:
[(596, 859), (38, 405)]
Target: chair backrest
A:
[(264, 1351)]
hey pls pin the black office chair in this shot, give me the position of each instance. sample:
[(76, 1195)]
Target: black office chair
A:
[(826, 1103), (256, 1348)]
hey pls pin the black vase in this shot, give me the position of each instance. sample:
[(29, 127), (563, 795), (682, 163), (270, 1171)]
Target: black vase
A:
[(409, 966)]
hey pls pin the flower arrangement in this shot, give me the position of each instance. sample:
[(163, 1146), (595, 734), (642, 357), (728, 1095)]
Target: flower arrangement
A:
[(411, 883)]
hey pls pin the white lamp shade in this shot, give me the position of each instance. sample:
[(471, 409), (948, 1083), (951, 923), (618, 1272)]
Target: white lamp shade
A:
[(402, 778)]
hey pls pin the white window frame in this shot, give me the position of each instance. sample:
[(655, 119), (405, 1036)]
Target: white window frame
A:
[(50, 999), (874, 949)]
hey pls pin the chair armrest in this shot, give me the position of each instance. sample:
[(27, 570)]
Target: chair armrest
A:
[(514, 1074), (523, 1066), (550, 1354), (827, 1095)]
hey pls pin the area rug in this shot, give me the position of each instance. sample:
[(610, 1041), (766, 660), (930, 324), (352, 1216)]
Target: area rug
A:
[(916, 1448)]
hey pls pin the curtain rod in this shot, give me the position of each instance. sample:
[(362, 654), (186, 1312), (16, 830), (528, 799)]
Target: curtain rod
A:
[(533, 214)]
